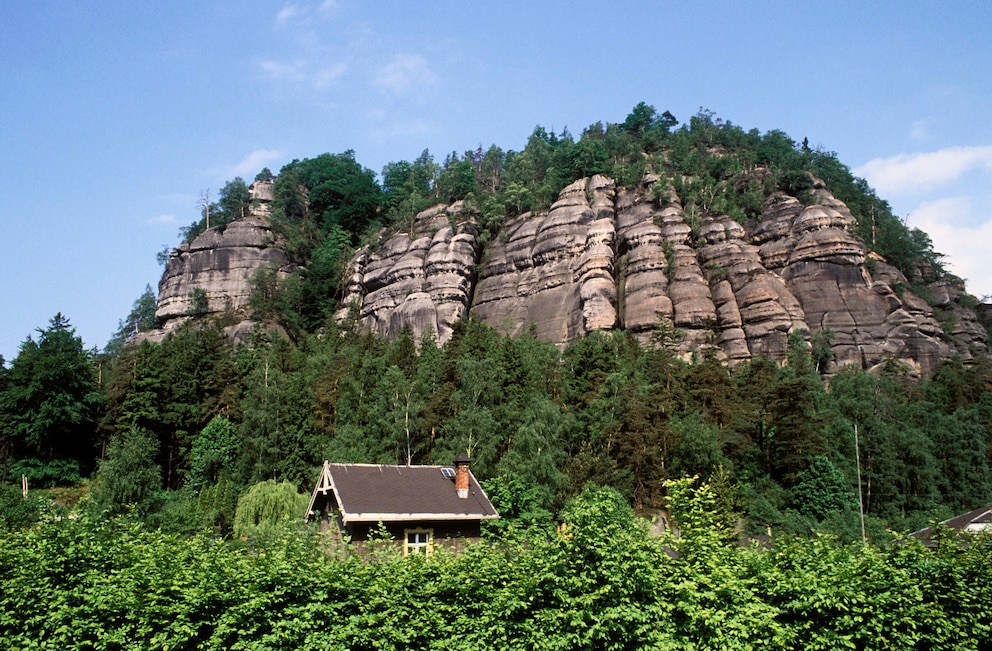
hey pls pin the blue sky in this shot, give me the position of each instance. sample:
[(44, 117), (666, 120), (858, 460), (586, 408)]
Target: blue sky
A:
[(116, 115)]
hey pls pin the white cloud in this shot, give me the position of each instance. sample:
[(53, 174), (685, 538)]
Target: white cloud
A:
[(282, 71), (960, 228), (287, 13), (923, 171), (301, 72), (293, 12), (253, 163), (404, 72), (163, 219), (327, 75)]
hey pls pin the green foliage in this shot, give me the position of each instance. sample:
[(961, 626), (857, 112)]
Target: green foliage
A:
[(268, 507), (289, 205), (704, 515), (458, 178), (821, 349), (339, 191), (216, 505), (520, 507), (51, 404), (315, 301), (172, 389), (409, 188), (597, 514), (821, 489), (16, 511), (199, 304), (140, 319), (177, 513), (233, 203), (43, 473), (277, 439), (601, 583), (265, 294), (129, 474), (698, 451), (604, 410), (213, 453)]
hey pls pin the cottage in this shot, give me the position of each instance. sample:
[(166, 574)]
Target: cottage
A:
[(418, 505), (972, 523)]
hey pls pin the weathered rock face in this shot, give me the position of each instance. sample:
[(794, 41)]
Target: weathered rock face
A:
[(420, 280), (261, 194), (219, 262), (605, 257), (554, 271)]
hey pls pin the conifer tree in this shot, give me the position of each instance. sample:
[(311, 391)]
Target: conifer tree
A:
[(51, 406)]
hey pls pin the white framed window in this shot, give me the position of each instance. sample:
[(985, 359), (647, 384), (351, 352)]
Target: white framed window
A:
[(418, 541)]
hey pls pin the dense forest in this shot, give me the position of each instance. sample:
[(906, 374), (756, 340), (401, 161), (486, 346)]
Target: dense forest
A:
[(173, 437), (194, 413)]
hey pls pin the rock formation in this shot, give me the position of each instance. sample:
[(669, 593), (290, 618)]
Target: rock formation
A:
[(218, 264), (420, 279), (605, 257), (554, 271)]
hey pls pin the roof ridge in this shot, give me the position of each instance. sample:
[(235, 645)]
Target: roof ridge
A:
[(390, 465)]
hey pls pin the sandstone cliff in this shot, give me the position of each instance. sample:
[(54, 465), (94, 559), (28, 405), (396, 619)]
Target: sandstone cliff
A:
[(421, 280), (219, 263), (605, 257)]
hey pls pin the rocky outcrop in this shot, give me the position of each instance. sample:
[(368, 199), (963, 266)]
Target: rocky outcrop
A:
[(604, 257), (554, 271), (710, 283), (420, 279), (218, 262), (210, 275)]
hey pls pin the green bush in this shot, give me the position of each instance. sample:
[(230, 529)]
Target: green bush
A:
[(16, 511), (46, 473), (268, 507), (602, 582)]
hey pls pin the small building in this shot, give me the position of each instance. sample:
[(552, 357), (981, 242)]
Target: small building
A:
[(418, 505), (971, 523)]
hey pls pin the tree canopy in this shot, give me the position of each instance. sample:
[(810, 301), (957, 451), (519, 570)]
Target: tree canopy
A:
[(606, 409), (51, 404)]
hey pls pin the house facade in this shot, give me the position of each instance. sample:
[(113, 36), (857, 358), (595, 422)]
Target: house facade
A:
[(418, 506)]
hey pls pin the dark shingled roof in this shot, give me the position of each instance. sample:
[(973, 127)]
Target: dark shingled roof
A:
[(380, 493), (972, 522)]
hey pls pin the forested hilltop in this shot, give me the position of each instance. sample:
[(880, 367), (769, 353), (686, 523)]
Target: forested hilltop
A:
[(716, 325), (176, 427)]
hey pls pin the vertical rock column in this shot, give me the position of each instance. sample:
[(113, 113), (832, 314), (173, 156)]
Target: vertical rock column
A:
[(554, 271), (419, 280)]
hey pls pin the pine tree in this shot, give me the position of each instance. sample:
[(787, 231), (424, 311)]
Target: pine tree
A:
[(52, 403)]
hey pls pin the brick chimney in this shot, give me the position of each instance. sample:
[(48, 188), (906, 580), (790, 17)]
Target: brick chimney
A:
[(461, 475)]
